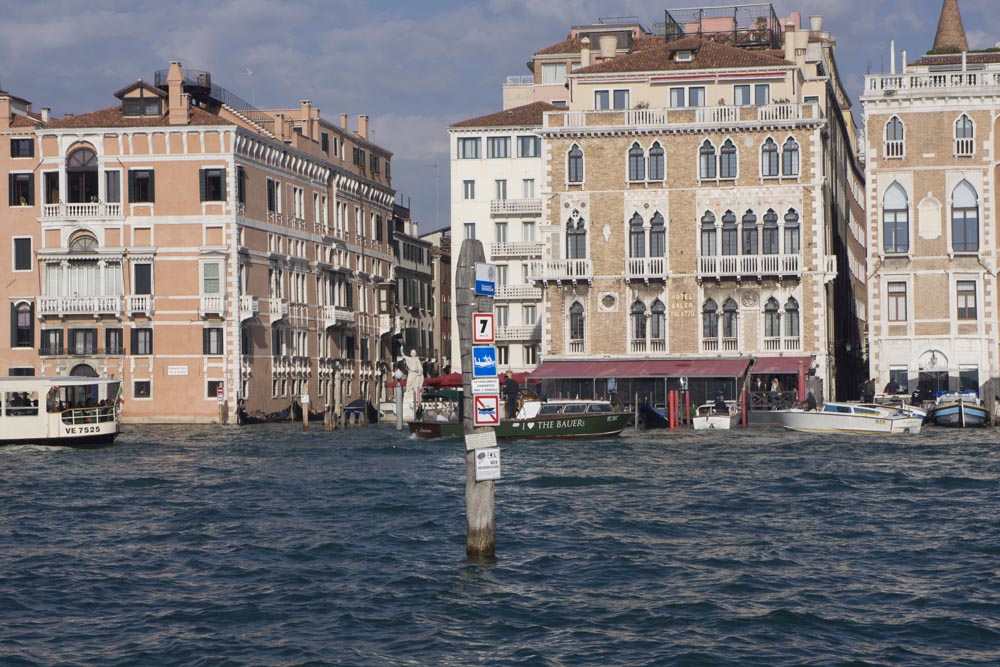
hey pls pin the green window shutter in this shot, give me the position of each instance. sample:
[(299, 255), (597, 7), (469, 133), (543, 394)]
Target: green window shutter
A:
[(131, 186), (206, 341), (13, 325), (10, 189), (222, 184), (202, 176), (31, 189), (152, 197)]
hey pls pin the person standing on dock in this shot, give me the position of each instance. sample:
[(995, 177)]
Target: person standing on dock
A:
[(511, 390)]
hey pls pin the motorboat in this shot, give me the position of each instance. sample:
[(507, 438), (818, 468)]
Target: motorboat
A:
[(954, 408), (712, 416), (849, 418), (52, 410), (538, 419)]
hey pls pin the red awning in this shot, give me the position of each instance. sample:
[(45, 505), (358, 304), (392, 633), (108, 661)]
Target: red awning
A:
[(452, 380), (627, 368), (779, 365)]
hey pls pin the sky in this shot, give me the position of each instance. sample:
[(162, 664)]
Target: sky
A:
[(414, 66)]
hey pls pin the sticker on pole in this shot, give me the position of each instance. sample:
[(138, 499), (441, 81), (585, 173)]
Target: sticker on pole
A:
[(484, 362), (485, 279), (487, 464), (482, 328), (486, 410)]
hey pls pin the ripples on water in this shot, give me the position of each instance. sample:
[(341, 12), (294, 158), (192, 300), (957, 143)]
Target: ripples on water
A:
[(267, 546)]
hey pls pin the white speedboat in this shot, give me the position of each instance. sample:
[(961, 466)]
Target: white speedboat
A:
[(707, 416), (68, 411), (849, 418)]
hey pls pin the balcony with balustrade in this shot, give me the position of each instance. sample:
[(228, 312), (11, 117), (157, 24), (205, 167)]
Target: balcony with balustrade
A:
[(931, 84), (517, 249), (782, 344), (709, 117), (520, 332), (89, 211), (141, 304), (337, 316), (520, 207), (213, 305), (720, 345), (646, 269), (62, 306), (278, 309), (249, 307), (756, 267), (561, 270), (646, 346), (517, 293)]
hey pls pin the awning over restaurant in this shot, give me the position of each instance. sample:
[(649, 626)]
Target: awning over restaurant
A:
[(455, 380), (629, 368), (780, 365)]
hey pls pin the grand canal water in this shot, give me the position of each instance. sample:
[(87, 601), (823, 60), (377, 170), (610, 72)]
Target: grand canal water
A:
[(266, 546)]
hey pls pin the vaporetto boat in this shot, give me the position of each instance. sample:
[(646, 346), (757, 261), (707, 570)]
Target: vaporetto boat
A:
[(68, 411), (849, 418)]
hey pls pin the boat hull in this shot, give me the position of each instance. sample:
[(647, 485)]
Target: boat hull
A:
[(717, 422), (826, 422), (959, 414), (539, 428)]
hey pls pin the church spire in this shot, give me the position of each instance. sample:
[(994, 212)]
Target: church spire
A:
[(950, 37)]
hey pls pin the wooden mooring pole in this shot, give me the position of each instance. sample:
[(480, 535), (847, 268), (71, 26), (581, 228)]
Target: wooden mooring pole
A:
[(480, 524)]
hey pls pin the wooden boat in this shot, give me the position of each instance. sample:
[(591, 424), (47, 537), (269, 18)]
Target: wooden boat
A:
[(958, 409), (67, 411), (848, 418), (557, 418), (708, 416)]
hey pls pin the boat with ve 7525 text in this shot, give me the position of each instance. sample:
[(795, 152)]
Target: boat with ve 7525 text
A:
[(68, 411)]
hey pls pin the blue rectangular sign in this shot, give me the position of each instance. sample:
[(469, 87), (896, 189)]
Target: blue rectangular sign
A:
[(484, 288), (486, 277), (484, 362)]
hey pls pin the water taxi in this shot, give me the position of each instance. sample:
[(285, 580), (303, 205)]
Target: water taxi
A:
[(849, 418), (67, 411), (713, 416), (537, 419)]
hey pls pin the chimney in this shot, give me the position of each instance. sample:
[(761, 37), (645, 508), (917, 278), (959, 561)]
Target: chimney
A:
[(5, 112), (279, 127), (343, 121), (790, 42), (67, 115), (816, 24), (305, 108), (585, 52), (609, 46), (363, 127), (46, 114), (180, 104)]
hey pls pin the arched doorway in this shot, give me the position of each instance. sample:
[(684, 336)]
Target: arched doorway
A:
[(83, 371), (81, 176)]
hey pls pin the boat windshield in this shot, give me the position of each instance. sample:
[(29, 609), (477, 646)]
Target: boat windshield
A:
[(550, 410), (600, 407), (575, 409)]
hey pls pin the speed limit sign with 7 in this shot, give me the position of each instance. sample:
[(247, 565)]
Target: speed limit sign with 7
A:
[(482, 328)]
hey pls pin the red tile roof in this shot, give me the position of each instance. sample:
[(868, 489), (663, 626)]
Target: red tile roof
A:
[(706, 55), (113, 117), (971, 58), (23, 121), (530, 115), (572, 45)]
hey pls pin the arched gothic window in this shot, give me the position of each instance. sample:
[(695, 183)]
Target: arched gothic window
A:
[(636, 163), (657, 236), (658, 321), (964, 218), (656, 162), (638, 315), (708, 237), (710, 320), (637, 237), (769, 158), (792, 318), (730, 234), (575, 164), (772, 319), (707, 161), (770, 240), (576, 237), (895, 220), (965, 142), (750, 246), (728, 163), (576, 322), (790, 158), (730, 311), (894, 138), (792, 234)]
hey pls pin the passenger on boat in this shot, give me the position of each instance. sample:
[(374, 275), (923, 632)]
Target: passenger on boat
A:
[(810, 402), (511, 390), (720, 405)]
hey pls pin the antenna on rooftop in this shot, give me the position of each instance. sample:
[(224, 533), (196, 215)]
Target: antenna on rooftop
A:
[(253, 102)]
